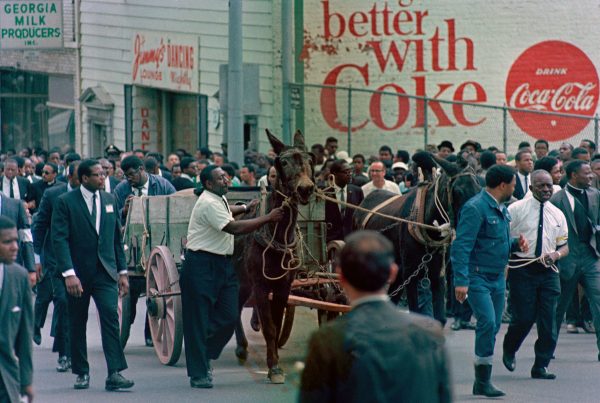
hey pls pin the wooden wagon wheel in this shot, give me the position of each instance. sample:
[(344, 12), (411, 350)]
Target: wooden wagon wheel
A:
[(164, 313), (333, 250), (286, 326)]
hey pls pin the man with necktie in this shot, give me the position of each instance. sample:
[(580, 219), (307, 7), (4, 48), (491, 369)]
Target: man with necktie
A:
[(12, 184), (580, 204), (533, 280), (524, 165), (89, 253)]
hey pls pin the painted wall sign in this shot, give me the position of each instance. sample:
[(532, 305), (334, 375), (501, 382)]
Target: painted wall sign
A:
[(166, 61), (31, 24)]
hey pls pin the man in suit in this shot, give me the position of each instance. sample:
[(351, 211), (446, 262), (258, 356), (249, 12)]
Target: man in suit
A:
[(375, 352), (580, 203), (42, 242), (524, 166), (15, 210), (89, 252), (110, 182), (12, 184), (16, 316), (38, 188), (188, 175), (339, 216)]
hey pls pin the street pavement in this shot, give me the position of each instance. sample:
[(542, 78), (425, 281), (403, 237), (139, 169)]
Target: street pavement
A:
[(576, 366)]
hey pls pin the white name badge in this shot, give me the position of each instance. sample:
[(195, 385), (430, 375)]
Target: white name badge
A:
[(110, 208)]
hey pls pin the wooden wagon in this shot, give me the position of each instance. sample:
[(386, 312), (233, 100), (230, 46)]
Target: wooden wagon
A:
[(155, 240)]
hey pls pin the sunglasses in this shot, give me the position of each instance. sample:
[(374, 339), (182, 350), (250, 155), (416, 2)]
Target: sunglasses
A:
[(47, 173)]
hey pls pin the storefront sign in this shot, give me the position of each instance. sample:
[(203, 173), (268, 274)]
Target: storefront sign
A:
[(166, 61), (31, 24)]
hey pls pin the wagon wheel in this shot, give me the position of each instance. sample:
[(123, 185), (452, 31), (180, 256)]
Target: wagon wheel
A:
[(333, 250), (164, 313), (124, 313), (286, 327)]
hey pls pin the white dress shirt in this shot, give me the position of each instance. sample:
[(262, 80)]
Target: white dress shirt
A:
[(6, 187), (525, 216), (143, 188), (205, 230), (388, 185)]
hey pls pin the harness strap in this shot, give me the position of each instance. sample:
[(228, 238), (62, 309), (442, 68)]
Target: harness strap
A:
[(377, 208)]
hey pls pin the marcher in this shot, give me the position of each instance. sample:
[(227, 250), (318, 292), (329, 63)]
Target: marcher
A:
[(89, 252), (580, 204), (209, 284), (378, 181), (16, 316), (534, 284), (376, 352), (479, 257)]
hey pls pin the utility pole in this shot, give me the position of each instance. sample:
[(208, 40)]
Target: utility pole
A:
[(235, 89), (286, 69)]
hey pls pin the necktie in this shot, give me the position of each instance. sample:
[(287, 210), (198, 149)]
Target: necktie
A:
[(540, 232), (139, 192), (94, 212), (12, 191), (342, 199), (526, 183)]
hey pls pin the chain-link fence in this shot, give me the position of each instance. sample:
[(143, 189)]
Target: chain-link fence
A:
[(364, 119)]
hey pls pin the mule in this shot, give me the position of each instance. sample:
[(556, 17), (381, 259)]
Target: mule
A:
[(422, 253), (264, 260)]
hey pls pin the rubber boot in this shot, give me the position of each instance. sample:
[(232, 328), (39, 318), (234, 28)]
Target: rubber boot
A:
[(482, 385)]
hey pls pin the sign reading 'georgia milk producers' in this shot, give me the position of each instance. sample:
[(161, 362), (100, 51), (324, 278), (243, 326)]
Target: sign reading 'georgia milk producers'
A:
[(31, 24)]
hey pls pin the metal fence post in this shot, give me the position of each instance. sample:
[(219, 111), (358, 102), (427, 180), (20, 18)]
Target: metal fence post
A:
[(425, 124), (349, 120), (504, 128), (596, 129)]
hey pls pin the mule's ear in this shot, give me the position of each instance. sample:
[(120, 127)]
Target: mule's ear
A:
[(277, 145), (299, 140)]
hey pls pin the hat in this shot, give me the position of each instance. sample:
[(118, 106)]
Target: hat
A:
[(473, 143), (112, 149), (446, 144), (343, 155), (400, 165)]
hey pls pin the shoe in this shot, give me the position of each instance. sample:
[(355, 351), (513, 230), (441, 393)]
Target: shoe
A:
[(571, 328), (541, 373), (482, 385), (509, 361), (202, 383), (588, 326), (149, 342), (82, 382), (117, 381), (37, 336), (64, 364), (456, 325)]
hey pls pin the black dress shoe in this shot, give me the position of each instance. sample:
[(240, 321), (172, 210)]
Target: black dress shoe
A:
[(82, 382), (509, 362), (588, 326), (456, 325), (541, 373), (37, 336), (203, 382), (64, 364), (149, 342), (117, 381)]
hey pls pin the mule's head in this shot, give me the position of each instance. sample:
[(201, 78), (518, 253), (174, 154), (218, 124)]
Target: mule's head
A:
[(294, 168)]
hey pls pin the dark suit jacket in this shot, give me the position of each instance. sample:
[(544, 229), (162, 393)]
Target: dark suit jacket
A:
[(376, 353), (37, 191), (560, 199), (41, 228), (519, 192), (15, 210), (182, 183), (24, 187), (158, 187), (16, 317), (76, 243), (114, 182), (337, 226)]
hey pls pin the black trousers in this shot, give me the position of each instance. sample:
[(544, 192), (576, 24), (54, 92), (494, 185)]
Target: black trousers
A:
[(42, 301), (104, 291), (62, 344), (209, 298), (534, 291)]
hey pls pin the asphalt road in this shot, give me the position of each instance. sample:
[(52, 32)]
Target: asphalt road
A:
[(576, 366)]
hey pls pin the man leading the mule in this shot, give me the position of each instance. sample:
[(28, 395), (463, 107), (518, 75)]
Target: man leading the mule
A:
[(479, 257), (209, 283)]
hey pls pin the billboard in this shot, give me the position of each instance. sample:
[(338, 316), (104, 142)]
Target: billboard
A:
[(538, 55), (31, 24)]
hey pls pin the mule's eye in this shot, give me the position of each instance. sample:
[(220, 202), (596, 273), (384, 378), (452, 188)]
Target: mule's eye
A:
[(284, 163)]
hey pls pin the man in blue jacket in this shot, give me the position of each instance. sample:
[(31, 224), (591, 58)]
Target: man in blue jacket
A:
[(479, 257)]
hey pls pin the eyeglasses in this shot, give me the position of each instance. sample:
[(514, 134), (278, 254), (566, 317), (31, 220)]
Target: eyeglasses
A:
[(47, 173), (377, 170), (132, 174)]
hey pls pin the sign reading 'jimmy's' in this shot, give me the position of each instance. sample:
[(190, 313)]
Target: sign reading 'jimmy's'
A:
[(31, 24)]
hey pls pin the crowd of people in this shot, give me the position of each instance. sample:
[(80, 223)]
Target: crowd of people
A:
[(557, 242)]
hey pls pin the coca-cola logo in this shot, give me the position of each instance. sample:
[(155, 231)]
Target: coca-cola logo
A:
[(552, 76)]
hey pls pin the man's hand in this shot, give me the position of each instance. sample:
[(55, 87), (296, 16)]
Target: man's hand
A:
[(123, 285), (523, 244), (27, 391), (253, 202), (276, 214), (33, 277), (461, 293), (74, 287), (127, 204)]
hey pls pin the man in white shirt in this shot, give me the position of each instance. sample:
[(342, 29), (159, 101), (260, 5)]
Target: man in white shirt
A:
[(209, 283), (378, 181), (535, 287)]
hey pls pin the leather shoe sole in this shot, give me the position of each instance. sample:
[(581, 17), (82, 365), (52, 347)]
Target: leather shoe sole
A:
[(542, 373), (509, 362)]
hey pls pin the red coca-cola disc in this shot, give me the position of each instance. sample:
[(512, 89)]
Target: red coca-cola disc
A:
[(552, 76)]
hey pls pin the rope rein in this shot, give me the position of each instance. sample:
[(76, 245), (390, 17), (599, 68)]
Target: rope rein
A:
[(526, 261)]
